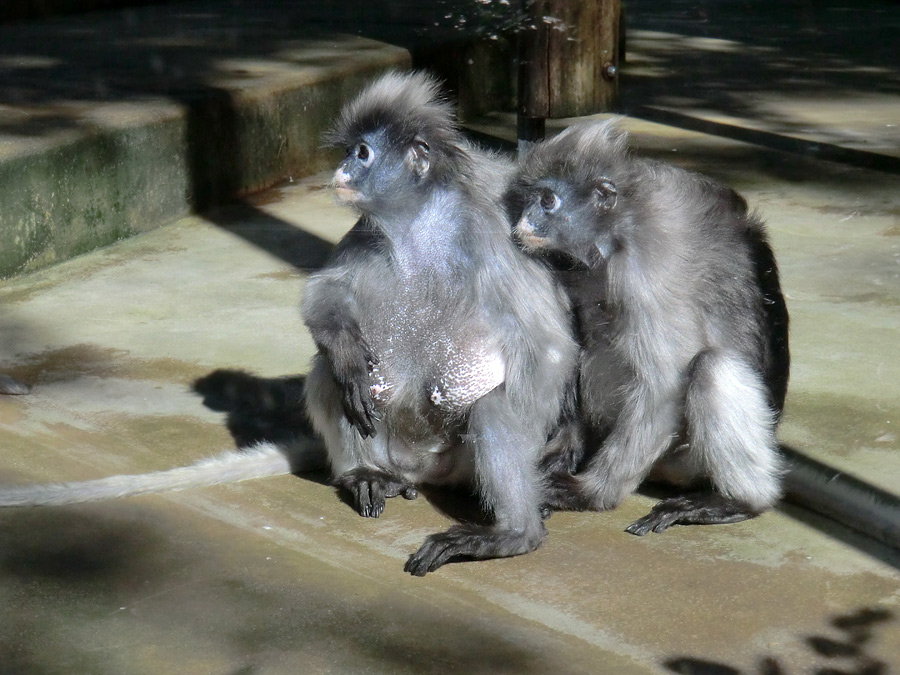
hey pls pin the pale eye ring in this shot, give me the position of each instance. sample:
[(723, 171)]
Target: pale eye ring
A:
[(549, 201), (365, 154)]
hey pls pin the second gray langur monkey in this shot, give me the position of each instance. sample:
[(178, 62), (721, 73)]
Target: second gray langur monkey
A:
[(444, 352), (684, 328)]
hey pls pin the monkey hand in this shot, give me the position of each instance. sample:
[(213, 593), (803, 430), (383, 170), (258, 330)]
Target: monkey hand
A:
[(472, 542), (352, 362), (369, 489), (359, 405)]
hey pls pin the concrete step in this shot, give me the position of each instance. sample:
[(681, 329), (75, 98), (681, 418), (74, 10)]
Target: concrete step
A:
[(113, 123)]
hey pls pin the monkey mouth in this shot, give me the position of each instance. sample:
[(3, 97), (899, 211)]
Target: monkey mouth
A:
[(346, 195), (529, 240)]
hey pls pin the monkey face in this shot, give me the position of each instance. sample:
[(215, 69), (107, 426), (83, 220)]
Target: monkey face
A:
[(557, 217), (377, 174)]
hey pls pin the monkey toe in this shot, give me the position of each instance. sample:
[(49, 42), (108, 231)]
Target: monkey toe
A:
[(370, 489), (652, 522), (700, 509), (369, 499)]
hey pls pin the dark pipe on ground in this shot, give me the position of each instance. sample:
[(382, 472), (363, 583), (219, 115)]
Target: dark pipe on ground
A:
[(844, 498)]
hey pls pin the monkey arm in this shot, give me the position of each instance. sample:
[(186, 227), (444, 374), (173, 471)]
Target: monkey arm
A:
[(331, 313), (644, 429), (506, 446)]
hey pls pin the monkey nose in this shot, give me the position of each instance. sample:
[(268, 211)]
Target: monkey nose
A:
[(526, 235), (524, 228), (341, 178)]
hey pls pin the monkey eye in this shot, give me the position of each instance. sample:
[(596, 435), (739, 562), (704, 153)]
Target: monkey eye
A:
[(365, 155), (549, 201), (606, 192)]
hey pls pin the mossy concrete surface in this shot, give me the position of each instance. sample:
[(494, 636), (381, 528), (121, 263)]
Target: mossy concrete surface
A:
[(115, 123)]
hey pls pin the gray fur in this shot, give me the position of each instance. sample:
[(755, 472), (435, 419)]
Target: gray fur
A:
[(682, 320), (12, 386), (444, 352)]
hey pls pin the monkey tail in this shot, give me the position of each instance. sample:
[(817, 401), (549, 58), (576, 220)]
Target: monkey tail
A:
[(258, 461)]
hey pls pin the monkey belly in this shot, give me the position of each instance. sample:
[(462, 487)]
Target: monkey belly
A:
[(434, 461), (446, 377)]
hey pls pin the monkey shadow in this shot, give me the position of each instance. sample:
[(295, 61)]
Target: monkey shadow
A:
[(260, 409), (850, 645)]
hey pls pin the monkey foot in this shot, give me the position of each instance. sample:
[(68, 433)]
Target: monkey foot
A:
[(707, 508), (369, 489), (470, 542), (564, 452), (560, 463), (563, 493)]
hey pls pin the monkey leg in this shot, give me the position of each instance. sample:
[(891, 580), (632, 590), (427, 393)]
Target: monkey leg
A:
[(707, 508), (731, 429), (564, 450), (506, 449), (560, 459), (731, 433), (643, 431), (562, 491), (369, 489)]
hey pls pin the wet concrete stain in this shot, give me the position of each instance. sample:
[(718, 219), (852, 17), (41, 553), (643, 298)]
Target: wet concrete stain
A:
[(72, 362), (287, 274), (840, 424)]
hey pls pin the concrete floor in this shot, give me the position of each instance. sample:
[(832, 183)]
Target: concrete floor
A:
[(278, 576)]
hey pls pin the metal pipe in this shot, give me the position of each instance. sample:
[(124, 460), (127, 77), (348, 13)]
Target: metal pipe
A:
[(844, 498)]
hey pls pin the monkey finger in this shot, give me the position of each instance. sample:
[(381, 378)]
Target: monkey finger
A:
[(666, 513), (434, 553), (641, 527), (358, 412)]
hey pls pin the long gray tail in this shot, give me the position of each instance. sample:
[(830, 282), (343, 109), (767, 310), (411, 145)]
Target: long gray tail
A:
[(258, 461)]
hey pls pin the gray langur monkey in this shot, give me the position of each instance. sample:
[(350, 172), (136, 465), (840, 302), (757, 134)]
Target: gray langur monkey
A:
[(446, 355), (444, 352), (683, 326)]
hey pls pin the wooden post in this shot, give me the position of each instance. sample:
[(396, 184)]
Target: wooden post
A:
[(568, 60)]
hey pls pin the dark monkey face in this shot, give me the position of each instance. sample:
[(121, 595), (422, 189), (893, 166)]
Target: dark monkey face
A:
[(377, 172), (563, 218)]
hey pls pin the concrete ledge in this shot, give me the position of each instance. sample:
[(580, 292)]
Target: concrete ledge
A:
[(115, 123)]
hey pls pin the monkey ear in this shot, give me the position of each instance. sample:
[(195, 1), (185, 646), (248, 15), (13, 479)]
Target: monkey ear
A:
[(418, 157), (606, 193)]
